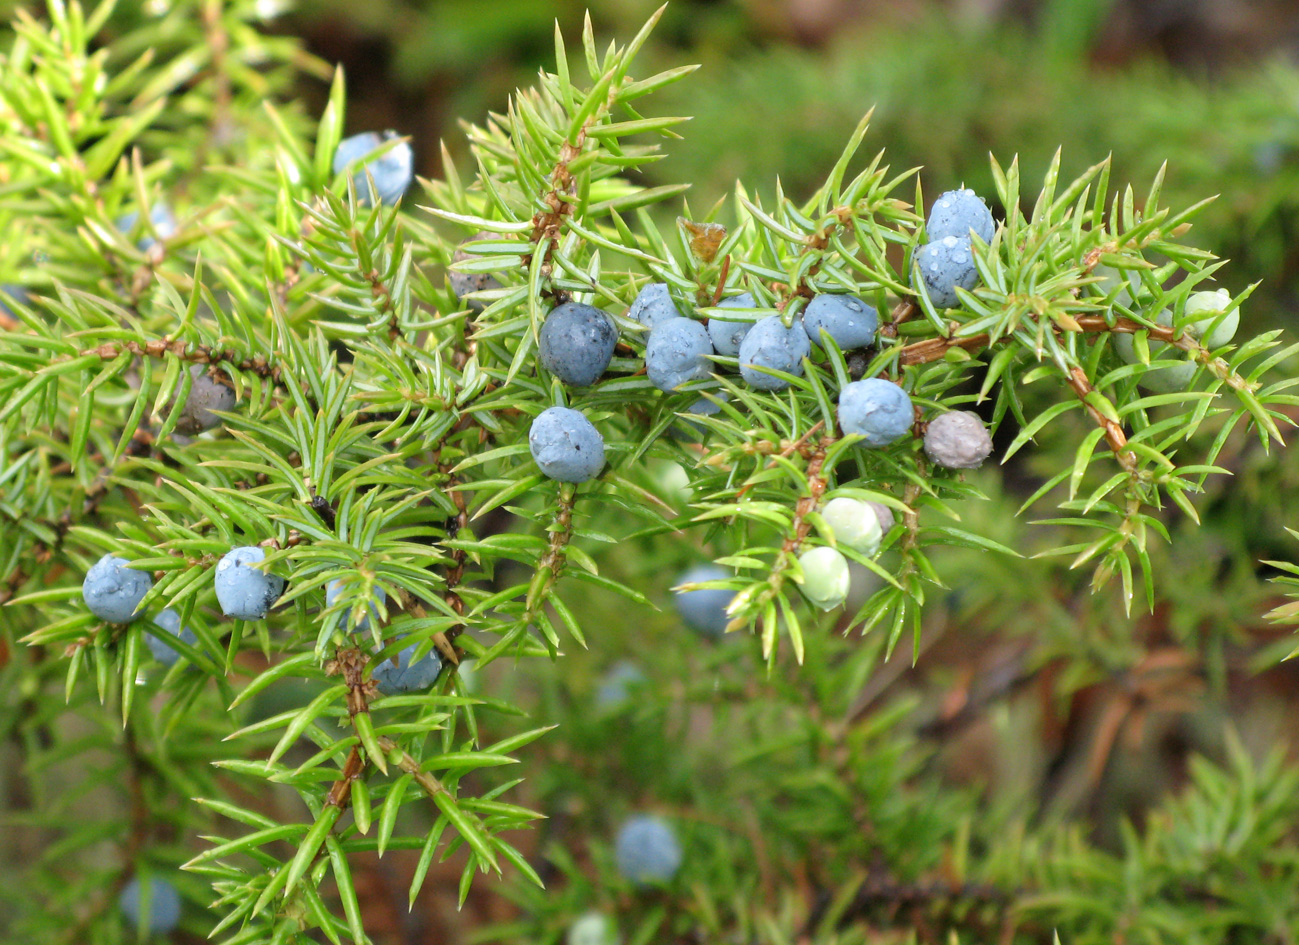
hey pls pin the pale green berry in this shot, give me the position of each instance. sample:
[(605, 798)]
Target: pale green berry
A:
[(854, 524), (1168, 380), (593, 928), (825, 577), (1127, 351), (1213, 304), (1111, 278), (673, 480), (1161, 380)]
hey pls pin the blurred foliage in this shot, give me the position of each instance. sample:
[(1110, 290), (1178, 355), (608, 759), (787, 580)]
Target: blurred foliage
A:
[(1035, 758), (946, 96)]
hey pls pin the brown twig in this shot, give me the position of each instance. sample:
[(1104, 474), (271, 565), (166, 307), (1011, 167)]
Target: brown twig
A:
[(1114, 435), (430, 785), (551, 564), (349, 662), (547, 227), (788, 448), (816, 486), (902, 312), (932, 349), (340, 792), (456, 571), (198, 354)]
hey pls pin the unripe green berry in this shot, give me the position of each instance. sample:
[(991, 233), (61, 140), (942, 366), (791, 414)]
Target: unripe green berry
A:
[(1168, 380), (1215, 329), (825, 577), (593, 928), (1111, 278), (854, 523)]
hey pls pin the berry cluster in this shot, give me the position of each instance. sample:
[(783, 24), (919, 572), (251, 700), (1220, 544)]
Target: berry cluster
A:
[(576, 344), (113, 592), (577, 341), (380, 165)]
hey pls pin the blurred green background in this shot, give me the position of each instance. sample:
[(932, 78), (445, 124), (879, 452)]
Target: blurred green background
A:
[(1020, 666)]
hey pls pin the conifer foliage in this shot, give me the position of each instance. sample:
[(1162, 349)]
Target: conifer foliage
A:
[(283, 415)]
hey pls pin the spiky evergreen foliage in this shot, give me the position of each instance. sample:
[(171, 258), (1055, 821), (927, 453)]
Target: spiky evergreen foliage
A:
[(380, 438), (1234, 132)]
